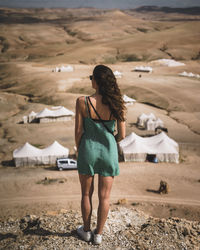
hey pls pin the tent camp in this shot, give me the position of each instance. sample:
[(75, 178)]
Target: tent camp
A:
[(128, 100), (28, 155), (136, 148), (54, 115)]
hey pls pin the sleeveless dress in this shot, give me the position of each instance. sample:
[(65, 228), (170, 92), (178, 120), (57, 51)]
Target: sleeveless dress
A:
[(98, 152)]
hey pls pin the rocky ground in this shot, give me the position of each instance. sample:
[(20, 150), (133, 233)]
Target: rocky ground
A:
[(126, 228)]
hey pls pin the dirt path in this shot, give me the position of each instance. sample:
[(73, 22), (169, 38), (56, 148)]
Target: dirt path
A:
[(137, 183)]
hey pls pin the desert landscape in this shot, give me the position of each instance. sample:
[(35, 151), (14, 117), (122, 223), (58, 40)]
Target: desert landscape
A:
[(33, 42)]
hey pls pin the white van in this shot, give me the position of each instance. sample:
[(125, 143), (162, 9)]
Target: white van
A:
[(66, 163)]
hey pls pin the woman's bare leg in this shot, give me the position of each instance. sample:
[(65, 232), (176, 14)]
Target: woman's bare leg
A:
[(104, 189), (87, 188)]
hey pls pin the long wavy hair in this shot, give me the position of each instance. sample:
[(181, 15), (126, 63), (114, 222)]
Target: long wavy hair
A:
[(109, 90)]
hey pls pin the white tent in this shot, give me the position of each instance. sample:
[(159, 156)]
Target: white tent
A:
[(169, 62), (150, 141), (31, 116), (28, 155), (151, 124), (128, 100), (64, 69), (143, 69), (117, 74), (136, 151), (159, 123), (165, 152), (56, 114), (54, 151), (143, 118), (189, 74), (25, 119), (136, 148)]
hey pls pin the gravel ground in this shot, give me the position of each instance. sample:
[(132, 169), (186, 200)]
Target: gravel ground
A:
[(126, 228)]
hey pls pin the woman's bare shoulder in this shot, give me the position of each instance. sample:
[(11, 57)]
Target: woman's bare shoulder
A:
[(80, 100), (80, 104)]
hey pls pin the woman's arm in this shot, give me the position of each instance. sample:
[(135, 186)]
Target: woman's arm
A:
[(121, 128), (78, 122)]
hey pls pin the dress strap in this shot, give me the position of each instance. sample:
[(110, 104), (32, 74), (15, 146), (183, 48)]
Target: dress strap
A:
[(87, 107), (110, 115), (94, 108), (100, 117)]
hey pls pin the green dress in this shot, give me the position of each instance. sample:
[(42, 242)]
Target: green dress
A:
[(98, 152)]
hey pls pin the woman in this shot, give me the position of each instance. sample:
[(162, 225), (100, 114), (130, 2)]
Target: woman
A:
[(96, 145)]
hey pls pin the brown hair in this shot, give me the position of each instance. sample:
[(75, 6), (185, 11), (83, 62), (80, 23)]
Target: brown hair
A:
[(108, 88)]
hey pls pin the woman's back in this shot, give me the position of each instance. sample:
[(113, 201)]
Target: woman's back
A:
[(98, 150), (102, 109)]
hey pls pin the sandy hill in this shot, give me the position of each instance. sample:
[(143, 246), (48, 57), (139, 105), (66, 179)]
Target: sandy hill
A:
[(65, 34)]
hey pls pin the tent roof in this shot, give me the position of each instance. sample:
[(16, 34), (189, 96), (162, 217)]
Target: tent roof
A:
[(55, 149), (143, 68), (169, 62), (153, 144), (27, 150), (136, 147), (128, 99), (62, 111), (163, 147), (149, 116), (32, 113)]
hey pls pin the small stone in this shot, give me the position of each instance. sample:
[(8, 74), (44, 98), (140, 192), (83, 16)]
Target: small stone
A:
[(122, 201)]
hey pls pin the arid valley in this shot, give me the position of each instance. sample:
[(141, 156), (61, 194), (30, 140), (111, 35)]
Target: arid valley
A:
[(33, 42)]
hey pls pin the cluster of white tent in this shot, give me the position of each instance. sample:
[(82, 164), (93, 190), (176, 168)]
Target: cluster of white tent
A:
[(28, 155), (128, 100), (143, 69), (169, 62), (137, 148), (149, 122), (68, 68), (117, 74), (189, 75), (54, 114)]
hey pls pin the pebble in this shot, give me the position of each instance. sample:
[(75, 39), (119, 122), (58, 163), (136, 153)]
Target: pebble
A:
[(126, 228)]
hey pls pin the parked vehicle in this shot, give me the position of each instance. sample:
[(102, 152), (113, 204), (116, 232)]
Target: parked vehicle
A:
[(66, 163)]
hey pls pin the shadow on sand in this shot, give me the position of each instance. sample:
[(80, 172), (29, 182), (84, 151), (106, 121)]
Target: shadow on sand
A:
[(153, 191)]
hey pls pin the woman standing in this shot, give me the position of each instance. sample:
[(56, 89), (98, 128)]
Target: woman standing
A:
[(96, 117)]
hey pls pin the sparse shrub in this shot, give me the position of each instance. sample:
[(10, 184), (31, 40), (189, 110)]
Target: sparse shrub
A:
[(128, 58), (110, 60), (196, 57), (145, 57), (6, 46), (142, 30), (164, 47), (48, 181)]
